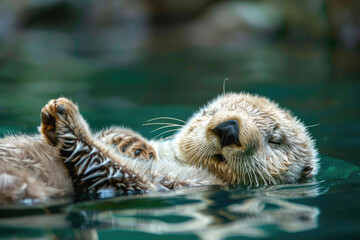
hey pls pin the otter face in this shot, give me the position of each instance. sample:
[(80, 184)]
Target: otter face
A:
[(246, 139)]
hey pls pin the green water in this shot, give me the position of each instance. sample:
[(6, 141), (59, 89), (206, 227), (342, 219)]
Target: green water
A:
[(326, 208), (317, 84)]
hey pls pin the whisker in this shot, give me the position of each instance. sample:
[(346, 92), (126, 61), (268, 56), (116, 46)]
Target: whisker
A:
[(164, 139), (315, 125), (224, 83), (172, 125), (172, 130), (170, 118), (160, 123)]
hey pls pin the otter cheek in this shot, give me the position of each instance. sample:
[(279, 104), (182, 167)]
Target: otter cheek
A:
[(280, 163), (212, 142), (252, 142)]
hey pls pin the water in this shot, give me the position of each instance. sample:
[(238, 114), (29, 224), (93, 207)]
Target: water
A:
[(323, 208), (317, 84)]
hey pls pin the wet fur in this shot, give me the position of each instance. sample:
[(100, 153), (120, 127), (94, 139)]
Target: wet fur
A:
[(32, 167), (256, 161)]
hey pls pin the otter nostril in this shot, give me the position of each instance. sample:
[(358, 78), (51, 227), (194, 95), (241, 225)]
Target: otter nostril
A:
[(228, 132)]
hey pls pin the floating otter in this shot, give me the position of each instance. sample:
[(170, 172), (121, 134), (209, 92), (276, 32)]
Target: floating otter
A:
[(235, 139)]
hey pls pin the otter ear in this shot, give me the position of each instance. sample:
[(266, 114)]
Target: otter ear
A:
[(306, 171)]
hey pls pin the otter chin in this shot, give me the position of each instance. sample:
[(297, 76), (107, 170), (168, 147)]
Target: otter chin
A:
[(237, 138), (247, 139)]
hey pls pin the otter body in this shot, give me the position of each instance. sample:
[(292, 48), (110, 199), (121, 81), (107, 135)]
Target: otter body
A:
[(235, 139), (31, 168)]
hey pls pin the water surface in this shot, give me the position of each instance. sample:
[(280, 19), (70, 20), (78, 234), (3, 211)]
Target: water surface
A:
[(318, 209)]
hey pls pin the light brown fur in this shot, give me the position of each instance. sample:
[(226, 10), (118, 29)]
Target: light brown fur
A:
[(257, 161), (32, 167), (126, 140)]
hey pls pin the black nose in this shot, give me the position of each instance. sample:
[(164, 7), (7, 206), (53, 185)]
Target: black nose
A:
[(228, 132)]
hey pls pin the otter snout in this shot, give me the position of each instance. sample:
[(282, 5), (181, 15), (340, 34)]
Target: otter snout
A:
[(228, 132)]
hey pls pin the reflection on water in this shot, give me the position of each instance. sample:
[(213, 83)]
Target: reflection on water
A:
[(208, 212), (247, 216)]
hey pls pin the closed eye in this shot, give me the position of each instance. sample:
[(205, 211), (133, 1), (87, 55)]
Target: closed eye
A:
[(275, 140), (276, 137)]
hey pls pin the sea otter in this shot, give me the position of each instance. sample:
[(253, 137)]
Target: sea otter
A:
[(237, 138)]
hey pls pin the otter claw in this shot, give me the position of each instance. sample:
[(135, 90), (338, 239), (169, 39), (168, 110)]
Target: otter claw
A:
[(46, 118), (53, 110), (60, 109)]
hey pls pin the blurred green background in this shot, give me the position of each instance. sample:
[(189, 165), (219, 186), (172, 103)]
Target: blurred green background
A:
[(127, 61)]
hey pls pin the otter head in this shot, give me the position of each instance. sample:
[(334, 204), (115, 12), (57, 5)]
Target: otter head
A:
[(249, 140)]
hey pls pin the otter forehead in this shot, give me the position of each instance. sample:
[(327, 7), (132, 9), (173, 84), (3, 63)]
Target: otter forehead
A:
[(252, 104), (227, 100), (261, 111)]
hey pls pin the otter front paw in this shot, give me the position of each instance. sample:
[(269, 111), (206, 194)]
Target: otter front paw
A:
[(128, 143), (59, 117), (135, 147)]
